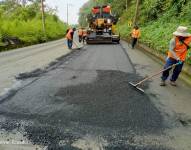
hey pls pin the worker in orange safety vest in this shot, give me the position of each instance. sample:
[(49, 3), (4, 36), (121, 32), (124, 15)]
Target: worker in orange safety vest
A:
[(135, 34), (69, 37), (178, 48), (84, 35), (80, 34)]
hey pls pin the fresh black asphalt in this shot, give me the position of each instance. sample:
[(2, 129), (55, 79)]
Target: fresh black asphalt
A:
[(85, 93)]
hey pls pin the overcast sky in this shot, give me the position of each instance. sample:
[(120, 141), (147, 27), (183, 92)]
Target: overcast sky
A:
[(62, 11)]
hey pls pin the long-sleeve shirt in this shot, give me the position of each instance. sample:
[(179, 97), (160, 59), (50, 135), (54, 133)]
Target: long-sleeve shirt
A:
[(172, 45)]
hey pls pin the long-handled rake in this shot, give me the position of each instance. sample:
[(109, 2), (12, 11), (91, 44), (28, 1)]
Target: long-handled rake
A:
[(136, 85)]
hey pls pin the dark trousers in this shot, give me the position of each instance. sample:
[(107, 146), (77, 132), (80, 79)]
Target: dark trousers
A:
[(84, 39), (70, 43), (176, 70), (134, 41), (80, 38)]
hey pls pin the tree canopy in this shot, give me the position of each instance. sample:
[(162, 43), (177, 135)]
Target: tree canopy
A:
[(22, 19)]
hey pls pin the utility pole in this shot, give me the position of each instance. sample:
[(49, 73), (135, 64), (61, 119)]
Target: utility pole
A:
[(43, 16), (67, 13), (136, 12)]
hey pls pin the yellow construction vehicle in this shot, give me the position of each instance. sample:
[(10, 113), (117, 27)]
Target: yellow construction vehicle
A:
[(102, 26)]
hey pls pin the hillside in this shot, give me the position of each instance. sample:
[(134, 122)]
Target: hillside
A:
[(23, 21), (157, 19)]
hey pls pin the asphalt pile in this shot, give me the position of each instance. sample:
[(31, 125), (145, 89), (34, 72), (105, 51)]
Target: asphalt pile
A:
[(111, 102), (105, 106)]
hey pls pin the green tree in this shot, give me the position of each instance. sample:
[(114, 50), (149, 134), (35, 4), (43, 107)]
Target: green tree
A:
[(24, 21)]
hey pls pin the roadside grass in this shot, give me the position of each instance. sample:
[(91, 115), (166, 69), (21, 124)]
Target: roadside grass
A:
[(31, 31), (157, 33)]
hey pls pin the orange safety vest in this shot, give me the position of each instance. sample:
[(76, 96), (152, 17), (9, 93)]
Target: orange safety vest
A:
[(68, 35), (180, 49), (136, 33), (80, 32)]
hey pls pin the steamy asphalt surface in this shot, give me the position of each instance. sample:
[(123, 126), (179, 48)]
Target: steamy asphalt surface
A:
[(83, 101)]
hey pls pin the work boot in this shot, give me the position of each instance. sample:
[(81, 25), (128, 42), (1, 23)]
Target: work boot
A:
[(173, 83), (162, 83)]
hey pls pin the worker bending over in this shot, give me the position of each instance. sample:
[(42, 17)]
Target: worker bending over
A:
[(69, 36), (178, 49)]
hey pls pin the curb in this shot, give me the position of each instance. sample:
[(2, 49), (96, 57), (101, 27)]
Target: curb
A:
[(160, 58)]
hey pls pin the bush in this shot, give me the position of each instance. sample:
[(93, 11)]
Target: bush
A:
[(156, 30)]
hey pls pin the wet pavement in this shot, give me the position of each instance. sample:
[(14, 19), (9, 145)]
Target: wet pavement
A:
[(83, 101)]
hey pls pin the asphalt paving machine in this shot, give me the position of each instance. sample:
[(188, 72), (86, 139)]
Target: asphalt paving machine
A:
[(102, 26)]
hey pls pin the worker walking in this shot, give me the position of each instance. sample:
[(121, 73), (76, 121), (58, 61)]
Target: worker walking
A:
[(135, 34), (69, 37), (80, 34), (178, 49)]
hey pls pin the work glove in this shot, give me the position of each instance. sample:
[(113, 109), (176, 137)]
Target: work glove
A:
[(180, 62)]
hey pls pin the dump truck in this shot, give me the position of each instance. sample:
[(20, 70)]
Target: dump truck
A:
[(102, 26)]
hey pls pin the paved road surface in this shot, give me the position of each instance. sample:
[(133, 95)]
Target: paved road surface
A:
[(84, 101), (27, 59)]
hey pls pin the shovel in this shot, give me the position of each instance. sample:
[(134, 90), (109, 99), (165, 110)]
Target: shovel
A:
[(136, 85)]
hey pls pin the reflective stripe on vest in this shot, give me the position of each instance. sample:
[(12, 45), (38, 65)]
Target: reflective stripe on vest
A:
[(136, 33), (68, 35), (180, 49)]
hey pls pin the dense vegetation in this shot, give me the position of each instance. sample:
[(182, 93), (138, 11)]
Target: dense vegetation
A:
[(23, 20), (157, 19)]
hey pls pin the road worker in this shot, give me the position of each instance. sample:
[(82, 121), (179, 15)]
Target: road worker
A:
[(84, 35), (178, 48), (135, 34), (69, 37), (80, 34)]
